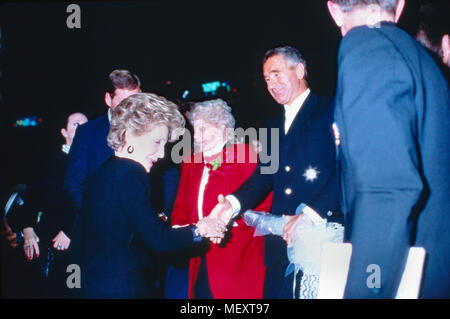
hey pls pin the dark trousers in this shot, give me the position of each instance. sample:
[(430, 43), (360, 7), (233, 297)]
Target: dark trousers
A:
[(202, 288)]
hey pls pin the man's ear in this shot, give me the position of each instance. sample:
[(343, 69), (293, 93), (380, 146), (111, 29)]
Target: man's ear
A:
[(445, 46), (336, 13), (399, 10), (108, 99), (300, 71), (64, 133)]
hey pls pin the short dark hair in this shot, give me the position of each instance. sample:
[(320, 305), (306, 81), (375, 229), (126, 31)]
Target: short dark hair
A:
[(348, 5), (123, 79), (290, 54), (434, 24)]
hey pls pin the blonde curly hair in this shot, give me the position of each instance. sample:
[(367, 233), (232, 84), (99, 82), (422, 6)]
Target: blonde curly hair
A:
[(138, 113)]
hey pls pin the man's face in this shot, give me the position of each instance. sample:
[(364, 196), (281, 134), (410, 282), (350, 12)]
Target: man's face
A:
[(73, 122), (282, 80), (119, 95)]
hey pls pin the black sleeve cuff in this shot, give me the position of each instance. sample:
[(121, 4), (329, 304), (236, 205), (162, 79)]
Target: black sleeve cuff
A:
[(196, 235)]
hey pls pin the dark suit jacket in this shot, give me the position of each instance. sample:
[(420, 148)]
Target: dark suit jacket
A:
[(88, 151), (116, 209), (164, 179), (46, 195), (309, 143), (393, 113)]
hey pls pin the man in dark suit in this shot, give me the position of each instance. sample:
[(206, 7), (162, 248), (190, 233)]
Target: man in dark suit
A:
[(392, 115), (307, 170), (44, 212), (89, 149)]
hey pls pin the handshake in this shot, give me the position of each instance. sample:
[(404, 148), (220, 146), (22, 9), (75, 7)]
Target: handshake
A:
[(211, 227), (216, 224)]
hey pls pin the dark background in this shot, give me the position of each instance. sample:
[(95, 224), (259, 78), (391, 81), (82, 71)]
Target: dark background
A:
[(51, 71)]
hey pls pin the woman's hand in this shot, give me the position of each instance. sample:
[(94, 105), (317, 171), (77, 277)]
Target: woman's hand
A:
[(30, 243), (211, 227), (61, 241)]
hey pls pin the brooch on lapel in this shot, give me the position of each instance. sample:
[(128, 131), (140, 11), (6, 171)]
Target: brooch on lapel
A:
[(311, 174), (215, 164)]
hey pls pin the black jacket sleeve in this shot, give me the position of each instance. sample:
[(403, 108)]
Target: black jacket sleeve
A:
[(77, 169), (135, 201)]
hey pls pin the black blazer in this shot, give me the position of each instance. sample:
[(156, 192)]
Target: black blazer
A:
[(308, 144), (116, 209), (47, 195), (88, 151), (393, 114)]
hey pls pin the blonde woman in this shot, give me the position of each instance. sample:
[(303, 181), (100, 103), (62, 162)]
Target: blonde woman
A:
[(116, 206)]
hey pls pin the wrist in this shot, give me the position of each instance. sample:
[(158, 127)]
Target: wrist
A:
[(235, 205), (196, 234)]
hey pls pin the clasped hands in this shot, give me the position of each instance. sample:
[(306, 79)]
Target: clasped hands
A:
[(210, 227), (223, 211)]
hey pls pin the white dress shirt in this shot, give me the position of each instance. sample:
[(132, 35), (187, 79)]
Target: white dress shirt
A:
[(205, 178), (292, 109), (204, 182), (65, 148)]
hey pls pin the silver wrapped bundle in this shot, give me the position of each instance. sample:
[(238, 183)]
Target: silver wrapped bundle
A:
[(264, 223), (305, 250)]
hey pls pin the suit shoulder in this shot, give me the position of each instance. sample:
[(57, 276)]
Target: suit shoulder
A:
[(363, 39), (94, 124), (325, 101), (120, 167), (324, 105)]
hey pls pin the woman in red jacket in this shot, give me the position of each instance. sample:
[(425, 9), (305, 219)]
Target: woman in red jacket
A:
[(235, 268)]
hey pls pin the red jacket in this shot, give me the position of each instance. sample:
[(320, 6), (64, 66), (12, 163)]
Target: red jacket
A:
[(236, 270)]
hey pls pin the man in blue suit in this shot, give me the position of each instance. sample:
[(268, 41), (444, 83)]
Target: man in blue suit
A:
[(307, 168), (89, 149), (392, 115)]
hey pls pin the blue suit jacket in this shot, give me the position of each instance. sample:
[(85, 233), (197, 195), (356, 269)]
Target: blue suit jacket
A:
[(116, 218), (393, 114), (308, 144), (88, 151)]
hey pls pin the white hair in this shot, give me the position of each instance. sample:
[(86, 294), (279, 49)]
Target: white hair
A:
[(216, 112)]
